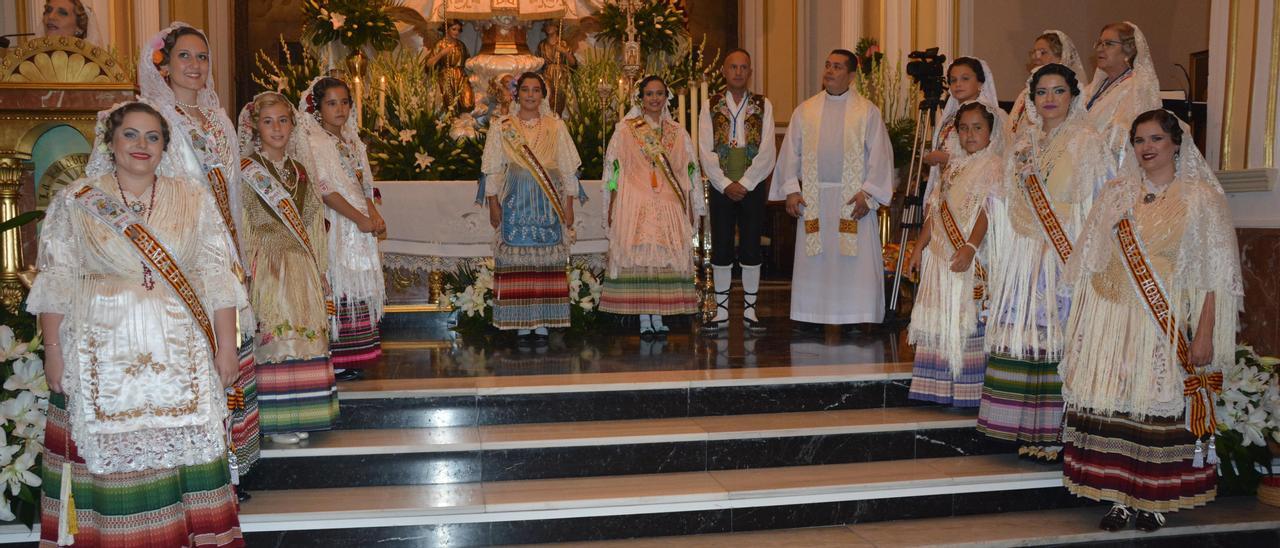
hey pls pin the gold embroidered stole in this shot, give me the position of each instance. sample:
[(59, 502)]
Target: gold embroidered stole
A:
[(518, 147), (957, 239), (651, 145), (851, 177), (1197, 387), (153, 252)]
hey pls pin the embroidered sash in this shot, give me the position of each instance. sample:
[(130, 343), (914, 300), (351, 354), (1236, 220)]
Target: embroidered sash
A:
[(1196, 387), (279, 200), (957, 240), (153, 252), (523, 155), (1039, 199), (222, 195), (652, 147)]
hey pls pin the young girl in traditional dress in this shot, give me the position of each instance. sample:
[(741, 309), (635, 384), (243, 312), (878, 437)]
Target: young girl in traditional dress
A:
[(338, 163), (532, 164), (948, 315), (286, 251), (653, 198)]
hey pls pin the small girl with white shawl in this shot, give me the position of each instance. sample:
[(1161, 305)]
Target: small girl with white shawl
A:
[(330, 149), (945, 321), (1157, 261), (970, 79)]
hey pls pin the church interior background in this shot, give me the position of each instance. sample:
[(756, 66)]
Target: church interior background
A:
[(461, 436)]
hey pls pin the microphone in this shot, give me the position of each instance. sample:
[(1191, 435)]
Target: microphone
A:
[(5, 42), (1187, 90)]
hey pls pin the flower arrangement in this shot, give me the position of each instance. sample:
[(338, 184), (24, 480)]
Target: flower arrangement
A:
[(354, 23), (410, 134), (289, 79), (469, 289), (24, 401), (659, 25), (1248, 411), (888, 88)]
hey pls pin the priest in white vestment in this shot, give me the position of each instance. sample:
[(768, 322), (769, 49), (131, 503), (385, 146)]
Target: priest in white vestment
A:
[(835, 169)]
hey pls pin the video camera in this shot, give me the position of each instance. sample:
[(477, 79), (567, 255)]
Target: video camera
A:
[(926, 68)]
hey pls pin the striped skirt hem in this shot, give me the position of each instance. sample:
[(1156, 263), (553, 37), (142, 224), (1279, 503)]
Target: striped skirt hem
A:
[(1145, 464), (297, 396), (933, 381), (663, 292), (245, 423), (1021, 400), (183, 506), (528, 297), (359, 343)]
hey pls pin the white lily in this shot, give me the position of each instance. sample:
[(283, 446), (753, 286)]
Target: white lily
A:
[(28, 374), (19, 472)]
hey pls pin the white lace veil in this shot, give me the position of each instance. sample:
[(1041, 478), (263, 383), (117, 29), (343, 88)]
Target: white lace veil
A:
[(309, 109), (999, 139), (1190, 167), (987, 95), (1070, 55), (154, 88), (1144, 70), (101, 160), (638, 110), (248, 131), (1076, 114)]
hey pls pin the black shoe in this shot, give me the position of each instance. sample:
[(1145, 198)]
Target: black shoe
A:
[(1116, 519), (349, 375), (1149, 521), (806, 328), (242, 495), (753, 326)]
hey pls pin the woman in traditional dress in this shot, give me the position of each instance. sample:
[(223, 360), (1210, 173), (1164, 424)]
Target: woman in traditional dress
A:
[(1052, 46), (67, 18), (174, 74), (533, 165), (332, 153), (1124, 85), (137, 301), (946, 322), (286, 251), (1053, 171), (654, 196), (1131, 436), (449, 56)]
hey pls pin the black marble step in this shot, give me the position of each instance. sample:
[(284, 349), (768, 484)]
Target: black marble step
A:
[(656, 457), (621, 526), (406, 410)]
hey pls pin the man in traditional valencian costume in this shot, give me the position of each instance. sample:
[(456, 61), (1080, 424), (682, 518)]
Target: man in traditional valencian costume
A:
[(735, 141), (835, 169)]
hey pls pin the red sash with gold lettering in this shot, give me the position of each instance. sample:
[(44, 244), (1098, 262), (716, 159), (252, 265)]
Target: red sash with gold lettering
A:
[(1039, 200), (957, 240), (1197, 387), (153, 252)]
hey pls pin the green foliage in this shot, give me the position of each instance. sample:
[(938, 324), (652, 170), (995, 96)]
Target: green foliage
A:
[(291, 79), (1241, 467), (354, 23), (590, 117), (659, 25), (22, 219)]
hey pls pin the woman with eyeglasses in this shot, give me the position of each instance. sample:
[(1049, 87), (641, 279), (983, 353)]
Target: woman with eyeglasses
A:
[(1124, 84)]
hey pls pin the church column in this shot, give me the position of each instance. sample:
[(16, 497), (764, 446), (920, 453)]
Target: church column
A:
[(11, 289)]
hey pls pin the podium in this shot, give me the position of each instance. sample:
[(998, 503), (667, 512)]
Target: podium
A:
[(51, 90)]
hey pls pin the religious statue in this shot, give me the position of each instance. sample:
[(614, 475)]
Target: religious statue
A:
[(448, 56), (559, 62)]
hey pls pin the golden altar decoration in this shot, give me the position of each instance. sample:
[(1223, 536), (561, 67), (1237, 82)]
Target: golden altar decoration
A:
[(50, 86)]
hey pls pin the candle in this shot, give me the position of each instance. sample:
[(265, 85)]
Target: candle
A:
[(680, 110), (382, 100), (695, 107), (358, 103)]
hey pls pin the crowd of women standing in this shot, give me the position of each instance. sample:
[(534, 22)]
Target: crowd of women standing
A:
[(1070, 248), (1079, 276)]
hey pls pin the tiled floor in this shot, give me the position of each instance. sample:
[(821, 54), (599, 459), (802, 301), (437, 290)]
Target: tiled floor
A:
[(421, 346)]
